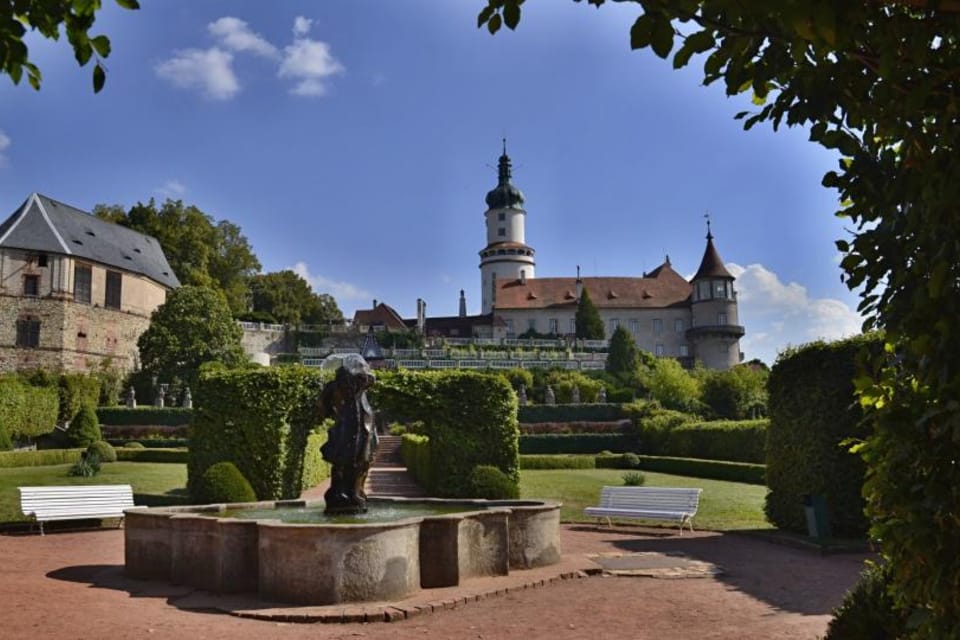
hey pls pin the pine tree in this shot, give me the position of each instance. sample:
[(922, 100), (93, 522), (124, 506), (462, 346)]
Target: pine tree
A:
[(624, 357), (589, 324)]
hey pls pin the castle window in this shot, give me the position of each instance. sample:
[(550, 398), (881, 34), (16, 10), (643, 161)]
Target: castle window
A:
[(703, 290), (573, 326), (501, 216), (28, 333), (31, 285), (42, 260), (684, 351), (554, 326), (82, 277), (721, 319), (111, 298), (509, 326), (634, 326), (532, 324), (614, 323), (501, 232), (659, 350), (678, 325), (657, 326), (721, 289)]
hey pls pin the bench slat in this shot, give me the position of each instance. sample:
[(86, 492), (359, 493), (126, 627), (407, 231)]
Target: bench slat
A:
[(648, 503), (75, 502)]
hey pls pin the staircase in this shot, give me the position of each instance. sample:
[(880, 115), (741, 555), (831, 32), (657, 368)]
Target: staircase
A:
[(388, 476)]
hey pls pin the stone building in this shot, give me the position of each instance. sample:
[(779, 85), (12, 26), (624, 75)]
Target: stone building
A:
[(75, 291)]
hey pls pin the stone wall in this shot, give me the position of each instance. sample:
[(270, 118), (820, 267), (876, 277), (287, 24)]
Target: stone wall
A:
[(268, 341)]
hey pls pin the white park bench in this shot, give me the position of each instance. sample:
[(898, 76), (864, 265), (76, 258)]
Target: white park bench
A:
[(77, 502), (647, 503)]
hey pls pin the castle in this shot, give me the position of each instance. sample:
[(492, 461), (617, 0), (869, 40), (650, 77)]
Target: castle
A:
[(76, 292), (667, 315)]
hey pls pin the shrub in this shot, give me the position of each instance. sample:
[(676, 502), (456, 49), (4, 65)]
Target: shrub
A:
[(634, 479), (44, 458), (25, 410), (867, 611), (570, 413), (104, 451), (574, 443), (173, 456), (87, 466), (738, 441), (259, 419), (315, 469), (223, 482), (134, 445), (812, 410), (85, 428), (653, 426), (144, 416), (415, 451), (557, 462), (492, 484), (629, 461)]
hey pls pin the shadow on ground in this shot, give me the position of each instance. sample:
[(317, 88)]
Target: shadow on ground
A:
[(794, 580)]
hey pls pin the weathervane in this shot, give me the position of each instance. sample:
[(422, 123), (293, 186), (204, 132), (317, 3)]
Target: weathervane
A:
[(707, 218)]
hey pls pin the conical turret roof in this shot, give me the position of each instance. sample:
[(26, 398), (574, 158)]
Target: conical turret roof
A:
[(712, 265)]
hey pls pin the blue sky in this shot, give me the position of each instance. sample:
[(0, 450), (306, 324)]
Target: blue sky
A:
[(354, 140)]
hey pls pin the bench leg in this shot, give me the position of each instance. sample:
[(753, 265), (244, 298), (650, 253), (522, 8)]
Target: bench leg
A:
[(41, 528)]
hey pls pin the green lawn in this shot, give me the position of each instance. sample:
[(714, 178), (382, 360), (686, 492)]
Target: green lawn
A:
[(146, 478), (723, 505)]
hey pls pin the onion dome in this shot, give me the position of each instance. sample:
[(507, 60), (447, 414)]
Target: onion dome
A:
[(505, 195)]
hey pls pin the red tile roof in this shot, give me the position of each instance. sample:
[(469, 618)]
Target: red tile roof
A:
[(663, 287), (382, 314)]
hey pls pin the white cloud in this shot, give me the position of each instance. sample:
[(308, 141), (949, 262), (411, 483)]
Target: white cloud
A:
[(210, 71), (310, 62), (301, 26), (339, 290), (173, 189), (4, 144), (778, 314), (234, 34)]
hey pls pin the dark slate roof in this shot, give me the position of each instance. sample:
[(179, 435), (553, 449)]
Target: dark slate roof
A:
[(453, 326), (44, 225), (504, 195), (661, 288), (712, 266)]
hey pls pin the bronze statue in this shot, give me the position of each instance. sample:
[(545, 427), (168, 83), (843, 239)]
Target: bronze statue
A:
[(352, 439)]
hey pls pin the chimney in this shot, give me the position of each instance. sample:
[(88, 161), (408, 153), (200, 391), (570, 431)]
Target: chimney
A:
[(421, 315), (463, 304), (579, 284), (374, 303)]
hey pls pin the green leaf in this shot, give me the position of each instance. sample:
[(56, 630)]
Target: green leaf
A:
[(493, 25), (843, 245), (129, 4), (662, 39), (101, 45), (641, 32), (511, 15), (99, 77), (484, 15)]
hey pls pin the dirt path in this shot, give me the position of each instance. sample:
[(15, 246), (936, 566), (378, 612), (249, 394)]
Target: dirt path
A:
[(70, 585)]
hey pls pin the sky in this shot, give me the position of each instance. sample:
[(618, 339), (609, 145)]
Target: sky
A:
[(354, 141)]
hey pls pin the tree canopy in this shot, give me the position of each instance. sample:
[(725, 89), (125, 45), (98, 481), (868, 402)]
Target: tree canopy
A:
[(587, 320), (46, 17), (194, 326), (203, 252), (878, 82), (623, 357), (290, 299)]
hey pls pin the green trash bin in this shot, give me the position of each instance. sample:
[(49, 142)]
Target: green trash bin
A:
[(818, 519)]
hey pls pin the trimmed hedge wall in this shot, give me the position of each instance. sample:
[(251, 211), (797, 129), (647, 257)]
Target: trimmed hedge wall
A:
[(713, 469), (315, 469), (25, 410), (145, 416), (179, 456), (734, 440), (469, 418), (606, 412), (812, 410), (11, 459), (574, 443), (259, 419), (557, 462), (152, 443), (538, 428)]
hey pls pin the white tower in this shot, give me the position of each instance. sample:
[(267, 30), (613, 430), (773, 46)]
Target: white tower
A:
[(506, 256), (715, 329)]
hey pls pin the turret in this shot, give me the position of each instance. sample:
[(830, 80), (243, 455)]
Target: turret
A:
[(715, 329), (506, 256)]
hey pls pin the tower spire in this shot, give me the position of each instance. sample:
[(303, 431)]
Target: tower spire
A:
[(707, 217)]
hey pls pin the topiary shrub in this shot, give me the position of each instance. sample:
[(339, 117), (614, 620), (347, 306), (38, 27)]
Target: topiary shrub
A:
[(87, 466), (134, 445), (223, 482), (104, 451), (85, 427), (634, 479), (867, 611), (629, 460), (492, 484), (813, 410)]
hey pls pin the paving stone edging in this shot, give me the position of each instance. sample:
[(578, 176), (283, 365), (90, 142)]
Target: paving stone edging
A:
[(394, 612)]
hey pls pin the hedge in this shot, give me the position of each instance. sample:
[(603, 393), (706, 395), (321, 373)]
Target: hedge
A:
[(812, 410), (25, 410), (315, 469), (535, 428), (415, 451), (696, 468), (470, 418), (73, 390), (575, 443), (734, 440), (597, 412), (46, 457), (152, 443), (180, 456), (146, 416), (557, 462), (259, 419)]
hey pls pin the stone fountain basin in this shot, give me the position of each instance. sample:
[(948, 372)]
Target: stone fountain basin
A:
[(320, 564)]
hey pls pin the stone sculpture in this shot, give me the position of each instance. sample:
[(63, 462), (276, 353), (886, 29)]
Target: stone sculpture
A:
[(575, 395), (602, 395), (522, 395), (352, 439), (548, 396)]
